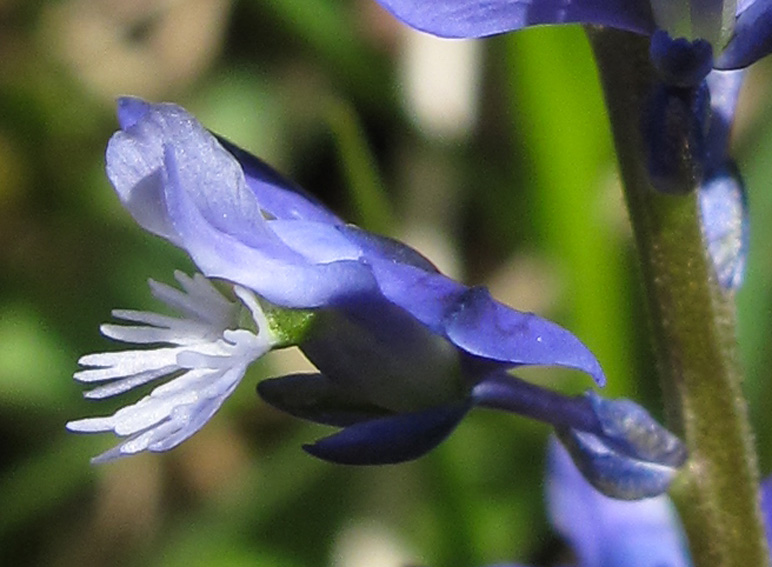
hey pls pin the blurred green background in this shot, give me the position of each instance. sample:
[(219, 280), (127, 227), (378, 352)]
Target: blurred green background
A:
[(493, 158)]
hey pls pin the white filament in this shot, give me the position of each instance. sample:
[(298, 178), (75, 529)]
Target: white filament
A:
[(202, 351)]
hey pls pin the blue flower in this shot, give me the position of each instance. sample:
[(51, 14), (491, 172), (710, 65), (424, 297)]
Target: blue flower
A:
[(403, 352), (604, 532), (738, 38)]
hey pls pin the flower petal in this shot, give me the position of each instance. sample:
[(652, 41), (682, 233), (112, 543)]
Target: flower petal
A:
[(318, 243), (377, 246), (279, 197), (476, 18), (393, 439), (469, 318), (486, 328), (752, 37), (614, 473), (263, 263), (605, 532)]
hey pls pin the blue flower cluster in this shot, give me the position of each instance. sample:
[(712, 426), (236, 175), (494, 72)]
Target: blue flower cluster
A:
[(403, 352)]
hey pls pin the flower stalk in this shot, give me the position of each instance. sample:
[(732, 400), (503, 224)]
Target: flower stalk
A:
[(693, 329)]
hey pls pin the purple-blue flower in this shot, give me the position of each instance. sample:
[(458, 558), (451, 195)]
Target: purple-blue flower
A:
[(739, 33), (605, 532), (403, 352)]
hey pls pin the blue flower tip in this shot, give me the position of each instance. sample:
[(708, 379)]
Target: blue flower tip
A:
[(130, 110), (632, 431)]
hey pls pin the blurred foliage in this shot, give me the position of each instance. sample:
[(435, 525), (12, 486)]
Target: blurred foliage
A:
[(526, 200)]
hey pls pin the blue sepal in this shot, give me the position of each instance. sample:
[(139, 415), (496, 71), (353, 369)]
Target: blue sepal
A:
[(483, 327), (388, 440)]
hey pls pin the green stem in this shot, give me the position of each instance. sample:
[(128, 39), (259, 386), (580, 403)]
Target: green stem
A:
[(693, 329)]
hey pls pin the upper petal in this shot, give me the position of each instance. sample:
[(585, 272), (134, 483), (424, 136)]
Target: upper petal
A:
[(477, 18), (178, 182), (279, 197), (266, 265), (605, 532)]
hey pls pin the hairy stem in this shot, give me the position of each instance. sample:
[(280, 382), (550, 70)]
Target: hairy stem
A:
[(693, 330)]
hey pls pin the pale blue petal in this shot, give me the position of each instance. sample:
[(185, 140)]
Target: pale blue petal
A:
[(269, 267), (279, 198), (318, 243), (725, 224), (604, 532), (724, 88)]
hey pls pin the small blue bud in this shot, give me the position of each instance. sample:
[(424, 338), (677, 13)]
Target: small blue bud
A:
[(632, 430), (680, 62), (632, 457), (614, 474)]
